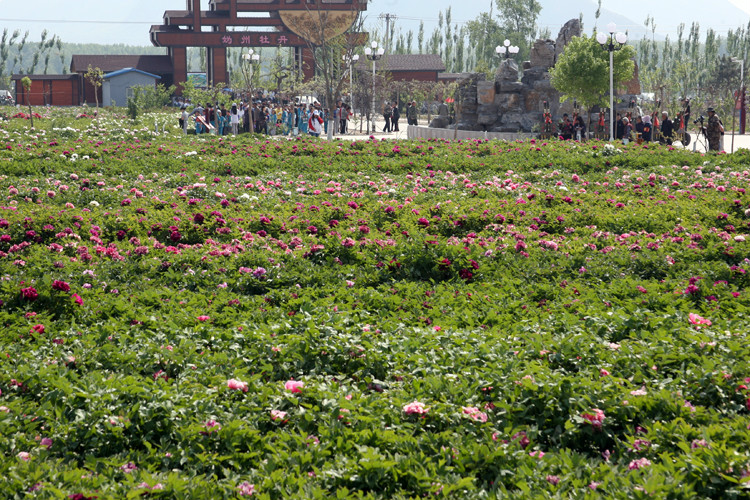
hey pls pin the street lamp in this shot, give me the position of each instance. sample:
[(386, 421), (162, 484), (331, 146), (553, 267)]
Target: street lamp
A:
[(351, 61), (507, 49), (373, 53), (611, 43), (250, 58), (739, 94)]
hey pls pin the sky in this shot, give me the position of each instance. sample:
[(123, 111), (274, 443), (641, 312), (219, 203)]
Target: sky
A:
[(128, 21)]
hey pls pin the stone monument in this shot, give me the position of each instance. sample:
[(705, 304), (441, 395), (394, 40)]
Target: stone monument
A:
[(508, 104)]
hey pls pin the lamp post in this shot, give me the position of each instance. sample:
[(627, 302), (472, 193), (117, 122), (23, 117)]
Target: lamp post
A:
[(373, 53), (351, 61), (739, 94), (506, 49), (611, 43), (250, 58)]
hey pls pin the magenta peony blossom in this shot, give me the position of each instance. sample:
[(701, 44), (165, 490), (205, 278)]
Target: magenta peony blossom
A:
[(29, 294), (60, 286)]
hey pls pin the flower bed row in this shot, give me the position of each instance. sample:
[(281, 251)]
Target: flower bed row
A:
[(222, 318)]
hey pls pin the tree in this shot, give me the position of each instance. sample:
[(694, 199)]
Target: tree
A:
[(95, 77), (18, 61), (582, 71), (420, 37), (332, 36), (281, 69), (485, 34), (208, 95), (518, 20), (26, 83), (5, 46)]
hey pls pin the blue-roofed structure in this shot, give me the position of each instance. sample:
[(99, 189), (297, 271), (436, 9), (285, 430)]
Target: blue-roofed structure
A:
[(118, 85), (129, 70)]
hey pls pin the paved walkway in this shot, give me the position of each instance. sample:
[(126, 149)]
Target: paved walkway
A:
[(740, 141), (378, 131)]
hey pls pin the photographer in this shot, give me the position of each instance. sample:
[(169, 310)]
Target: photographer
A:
[(714, 131)]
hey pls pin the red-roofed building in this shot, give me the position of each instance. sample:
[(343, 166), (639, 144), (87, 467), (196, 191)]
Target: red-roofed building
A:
[(407, 67), (55, 90)]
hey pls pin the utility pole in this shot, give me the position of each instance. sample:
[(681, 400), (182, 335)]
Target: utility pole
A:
[(388, 18)]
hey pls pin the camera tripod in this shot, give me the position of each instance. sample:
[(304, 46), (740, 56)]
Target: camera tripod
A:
[(700, 138)]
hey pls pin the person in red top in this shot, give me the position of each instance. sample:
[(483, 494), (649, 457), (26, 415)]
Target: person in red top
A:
[(315, 124)]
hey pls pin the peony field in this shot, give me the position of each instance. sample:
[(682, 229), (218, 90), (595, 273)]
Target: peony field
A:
[(258, 317)]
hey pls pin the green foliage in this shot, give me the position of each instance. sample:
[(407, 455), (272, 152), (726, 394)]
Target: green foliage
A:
[(518, 19), (538, 298), (204, 95), (582, 71), (133, 106), (153, 97)]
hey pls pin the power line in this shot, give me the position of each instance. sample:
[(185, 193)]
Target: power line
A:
[(388, 18), (72, 21)]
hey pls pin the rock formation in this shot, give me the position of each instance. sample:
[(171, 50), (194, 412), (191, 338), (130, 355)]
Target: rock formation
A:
[(509, 105)]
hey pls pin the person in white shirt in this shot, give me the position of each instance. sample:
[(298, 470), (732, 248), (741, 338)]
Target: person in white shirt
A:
[(234, 119), (184, 119)]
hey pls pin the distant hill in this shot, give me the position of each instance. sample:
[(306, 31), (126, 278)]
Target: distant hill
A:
[(59, 61)]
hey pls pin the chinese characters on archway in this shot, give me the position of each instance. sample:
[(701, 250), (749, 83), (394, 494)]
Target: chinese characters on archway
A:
[(255, 39)]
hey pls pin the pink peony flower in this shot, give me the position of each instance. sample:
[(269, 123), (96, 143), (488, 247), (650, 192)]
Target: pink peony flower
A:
[(415, 407), (203, 318), (128, 467), (278, 415), (77, 299), (237, 385), (211, 426), (698, 320), (294, 386), (639, 463), (596, 418), (24, 455), (245, 489), (37, 329), (474, 413), (639, 392)]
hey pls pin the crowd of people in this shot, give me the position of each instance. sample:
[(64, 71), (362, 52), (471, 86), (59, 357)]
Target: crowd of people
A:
[(265, 117), (647, 128)]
